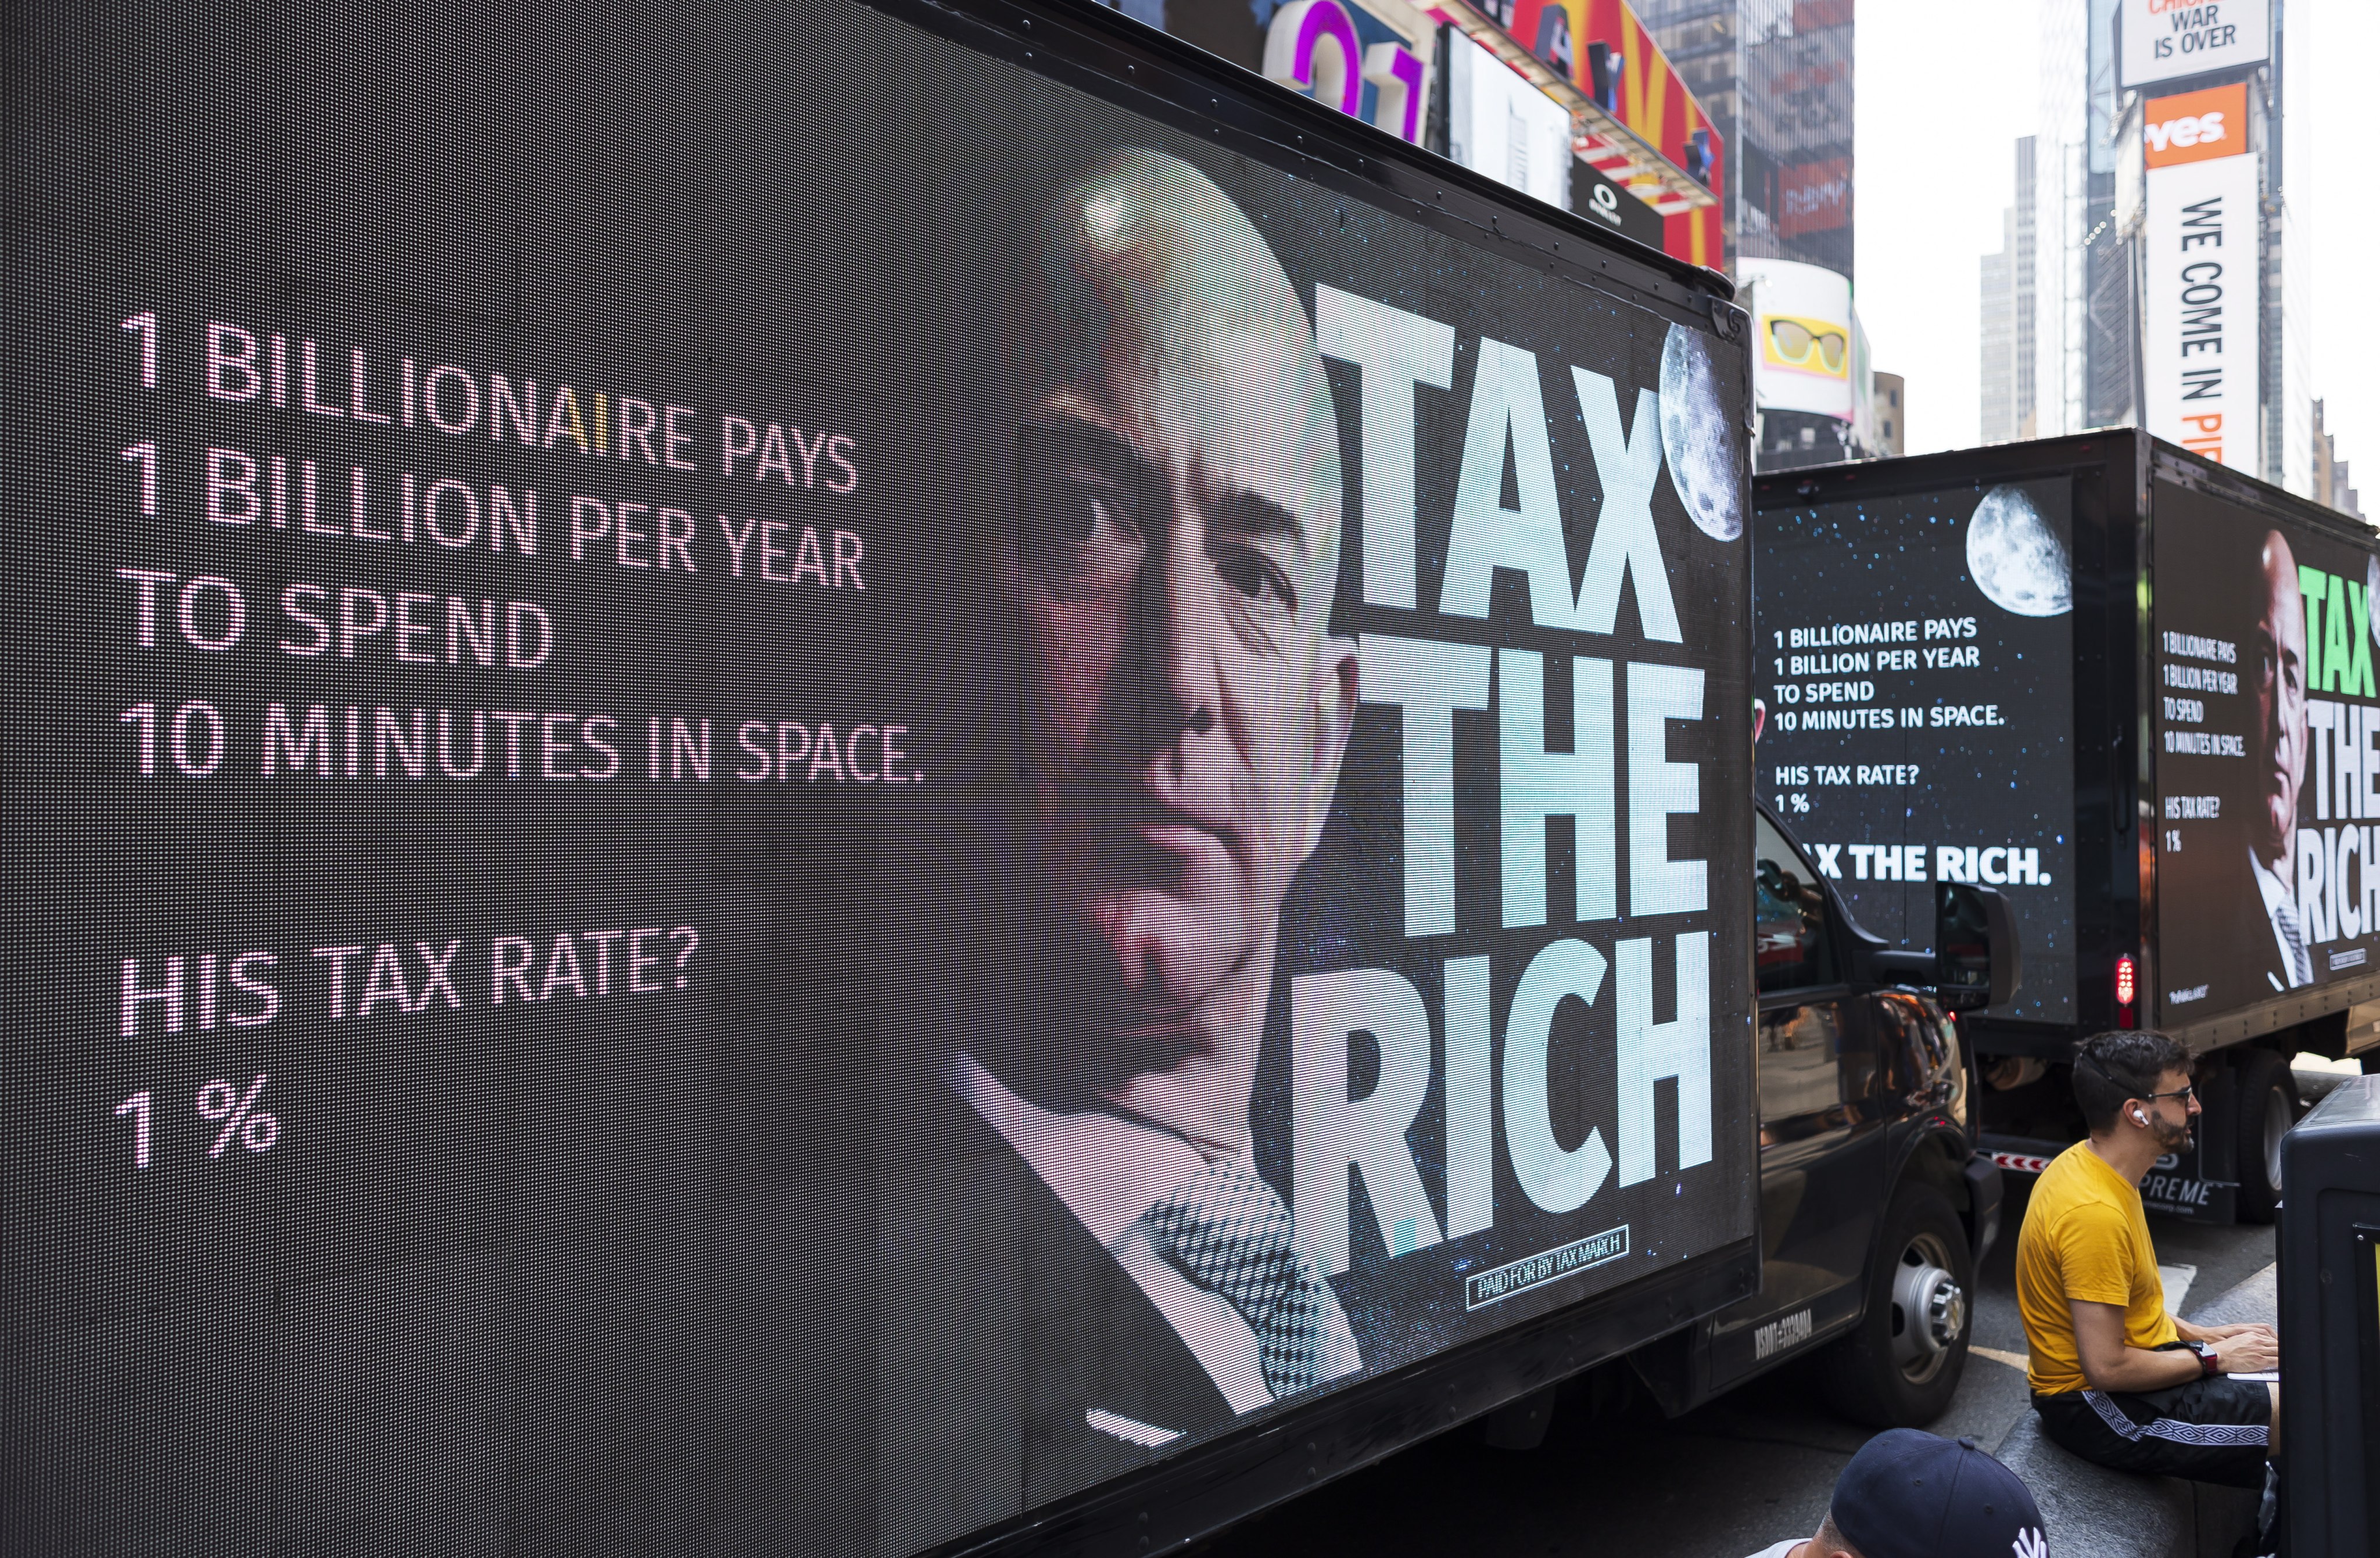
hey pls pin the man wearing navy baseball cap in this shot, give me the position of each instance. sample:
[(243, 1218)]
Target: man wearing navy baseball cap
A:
[(1912, 1494)]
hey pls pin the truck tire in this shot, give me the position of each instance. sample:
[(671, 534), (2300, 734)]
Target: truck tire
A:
[(1900, 1367), (2266, 1102)]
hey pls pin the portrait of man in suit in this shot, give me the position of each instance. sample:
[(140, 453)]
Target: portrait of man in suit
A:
[(2273, 920), (1133, 1282)]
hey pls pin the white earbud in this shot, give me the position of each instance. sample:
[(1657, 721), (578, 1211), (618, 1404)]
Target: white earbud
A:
[(2140, 1118)]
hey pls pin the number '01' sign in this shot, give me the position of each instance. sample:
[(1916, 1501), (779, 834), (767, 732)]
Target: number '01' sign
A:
[(1318, 46)]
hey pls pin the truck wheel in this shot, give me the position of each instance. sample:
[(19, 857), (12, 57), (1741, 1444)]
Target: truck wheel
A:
[(1901, 1367), (2267, 1105)]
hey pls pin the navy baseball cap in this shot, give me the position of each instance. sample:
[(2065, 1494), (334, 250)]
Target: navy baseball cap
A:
[(1910, 1495)]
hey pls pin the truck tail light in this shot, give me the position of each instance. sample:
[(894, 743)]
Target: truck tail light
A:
[(2127, 987)]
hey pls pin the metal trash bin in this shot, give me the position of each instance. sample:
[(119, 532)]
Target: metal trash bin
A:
[(2330, 1324)]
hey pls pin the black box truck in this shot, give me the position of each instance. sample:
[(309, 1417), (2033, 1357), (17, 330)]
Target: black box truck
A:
[(848, 779), (2133, 689)]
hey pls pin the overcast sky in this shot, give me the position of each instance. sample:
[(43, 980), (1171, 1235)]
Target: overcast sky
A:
[(1942, 101)]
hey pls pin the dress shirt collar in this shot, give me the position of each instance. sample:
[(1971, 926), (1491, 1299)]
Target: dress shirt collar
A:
[(2280, 897), (1107, 1170)]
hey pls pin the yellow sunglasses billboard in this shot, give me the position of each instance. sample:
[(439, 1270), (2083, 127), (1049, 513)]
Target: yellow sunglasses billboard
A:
[(1806, 345)]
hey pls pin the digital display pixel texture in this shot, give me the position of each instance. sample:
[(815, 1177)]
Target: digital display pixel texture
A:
[(2268, 783), (1916, 660), (668, 738)]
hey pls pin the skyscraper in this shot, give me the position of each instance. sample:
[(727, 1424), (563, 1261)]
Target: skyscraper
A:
[(2025, 279), (2061, 205), (2331, 487), (1996, 333), (1891, 402), (1776, 76), (2009, 366)]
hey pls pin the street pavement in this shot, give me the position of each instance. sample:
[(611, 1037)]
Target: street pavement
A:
[(1751, 1468)]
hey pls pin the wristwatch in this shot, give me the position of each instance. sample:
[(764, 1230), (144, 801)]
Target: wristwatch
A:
[(2208, 1365)]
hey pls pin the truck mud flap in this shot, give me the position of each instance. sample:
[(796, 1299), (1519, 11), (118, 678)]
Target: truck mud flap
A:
[(1675, 1370), (1986, 1186)]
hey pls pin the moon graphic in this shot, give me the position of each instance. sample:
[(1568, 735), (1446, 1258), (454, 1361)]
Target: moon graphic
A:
[(2016, 558), (1695, 437)]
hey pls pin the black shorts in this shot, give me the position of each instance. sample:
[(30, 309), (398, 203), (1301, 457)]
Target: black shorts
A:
[(2209, 1431)]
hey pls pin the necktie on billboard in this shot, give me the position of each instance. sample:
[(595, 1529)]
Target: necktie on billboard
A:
[(2300, 965), (1229, 1233)]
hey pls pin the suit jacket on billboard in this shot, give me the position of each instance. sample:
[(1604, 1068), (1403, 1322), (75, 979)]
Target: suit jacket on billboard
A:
[(2255, 957), (1022, 1362), (2221, 937)]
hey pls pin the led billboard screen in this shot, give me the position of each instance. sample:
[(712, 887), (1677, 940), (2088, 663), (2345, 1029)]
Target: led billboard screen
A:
[(2268, 758), (1610, 55), (2166, 39), (1918, 710), (2200, 252), (1806, 338), (749, 820)]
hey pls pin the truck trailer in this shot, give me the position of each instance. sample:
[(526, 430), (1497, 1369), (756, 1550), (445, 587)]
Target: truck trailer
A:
[(2132, 689), (797, 779)]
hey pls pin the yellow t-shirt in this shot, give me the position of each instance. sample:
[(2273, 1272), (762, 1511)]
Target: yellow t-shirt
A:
[(2085, 1237)]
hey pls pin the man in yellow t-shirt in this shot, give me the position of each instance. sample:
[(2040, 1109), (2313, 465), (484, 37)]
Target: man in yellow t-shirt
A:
[(2116, 1379)]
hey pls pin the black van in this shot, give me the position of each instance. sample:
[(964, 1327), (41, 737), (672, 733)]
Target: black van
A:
[(1876, 1205)]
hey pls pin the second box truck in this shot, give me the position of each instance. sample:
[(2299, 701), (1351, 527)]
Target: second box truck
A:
[(2133, 689)]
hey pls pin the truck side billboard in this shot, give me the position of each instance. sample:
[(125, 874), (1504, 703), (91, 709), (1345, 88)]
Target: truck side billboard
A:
[(766, 816), (2267, 758), (1915, 653), (2147, 681)]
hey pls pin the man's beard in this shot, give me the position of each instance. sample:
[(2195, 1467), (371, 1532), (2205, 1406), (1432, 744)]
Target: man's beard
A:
[(2174, 1139)]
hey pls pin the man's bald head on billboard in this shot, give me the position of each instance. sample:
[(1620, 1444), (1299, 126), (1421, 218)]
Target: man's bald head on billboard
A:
[(2280, 683), (1175, 560)]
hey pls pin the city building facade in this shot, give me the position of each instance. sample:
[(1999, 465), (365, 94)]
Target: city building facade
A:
[(2157, 124), (1482, 80), (1639, 122), (1996, 342), (2007, 338), (1720, 130), (1777, 78), (2330, 484), (1891, 423)]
